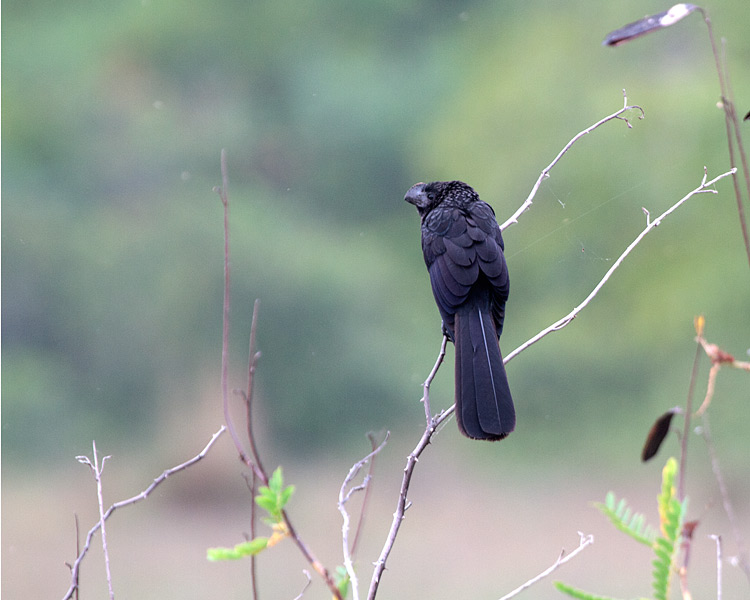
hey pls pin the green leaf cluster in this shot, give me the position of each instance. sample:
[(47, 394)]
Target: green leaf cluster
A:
[(671, 513), (272, 498), (671, 516)]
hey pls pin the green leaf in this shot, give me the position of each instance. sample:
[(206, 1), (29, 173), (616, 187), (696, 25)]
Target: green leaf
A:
[(276, 482), (341, 579), (241, 550), (273, 497), (626, 520), (576, 593), (671, 514)]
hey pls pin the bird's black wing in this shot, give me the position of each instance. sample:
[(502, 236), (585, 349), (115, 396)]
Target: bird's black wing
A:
[(459, 244)]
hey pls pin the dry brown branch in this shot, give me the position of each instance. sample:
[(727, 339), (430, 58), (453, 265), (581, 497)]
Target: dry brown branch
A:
[(252, 462)]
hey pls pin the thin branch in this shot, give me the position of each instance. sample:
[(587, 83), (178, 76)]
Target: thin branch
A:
[(545, 172), (585, 541), (725, 498), (434, 423), (223, 192), (652, 224), (250, 481), (734, 135), (75, 569), (310, 557), (686, 427), (307, 584), (97, 469), (344, 497), (365, 498), (717, 539), (252, 363), (428, 381), (411, 462)]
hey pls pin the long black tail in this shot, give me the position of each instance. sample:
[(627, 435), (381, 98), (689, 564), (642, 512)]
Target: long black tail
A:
[(484, 406)]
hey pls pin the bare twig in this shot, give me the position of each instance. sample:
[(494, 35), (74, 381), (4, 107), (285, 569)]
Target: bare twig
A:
[(251, 462), (686, 427), (252, 363), (585, 541), (97, 469), (545, 172), (725, 498), (344, 496), (250, 481), (75, 569), (366, 497), (223, 192), (732, 123), (428, 381), (411, 462), (307, 584), (717, 539), (652, 224)]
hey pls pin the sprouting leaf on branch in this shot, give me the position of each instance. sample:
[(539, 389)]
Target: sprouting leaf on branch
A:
[(649, 24), (248, 548), (271, 498)]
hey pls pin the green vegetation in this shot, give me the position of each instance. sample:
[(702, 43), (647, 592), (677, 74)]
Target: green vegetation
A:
[(671, 516), (113, 118), (271, 498)]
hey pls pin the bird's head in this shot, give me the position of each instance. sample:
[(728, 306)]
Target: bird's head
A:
[(426, 196)]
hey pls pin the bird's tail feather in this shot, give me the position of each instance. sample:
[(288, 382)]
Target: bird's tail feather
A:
[(484, 406)]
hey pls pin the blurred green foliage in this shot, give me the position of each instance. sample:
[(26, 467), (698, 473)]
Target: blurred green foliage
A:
[(114, 115)]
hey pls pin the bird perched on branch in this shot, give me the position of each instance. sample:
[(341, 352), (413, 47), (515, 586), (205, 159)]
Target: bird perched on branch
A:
[(463, 250)]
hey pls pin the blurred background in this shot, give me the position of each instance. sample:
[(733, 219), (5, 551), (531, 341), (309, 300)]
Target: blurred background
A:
[(114, 115)]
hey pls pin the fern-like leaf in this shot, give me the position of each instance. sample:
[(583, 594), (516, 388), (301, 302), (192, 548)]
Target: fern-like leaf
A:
[(576, 593), (622, 517), (671, 516)]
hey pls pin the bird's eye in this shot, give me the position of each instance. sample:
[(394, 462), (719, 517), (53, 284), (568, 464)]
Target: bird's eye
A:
[(430, 196)]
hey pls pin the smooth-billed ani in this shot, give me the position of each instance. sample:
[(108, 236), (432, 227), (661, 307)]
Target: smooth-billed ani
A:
[(463, 250)]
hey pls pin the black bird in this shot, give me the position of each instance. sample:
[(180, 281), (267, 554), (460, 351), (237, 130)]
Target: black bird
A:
[(463, 250)]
